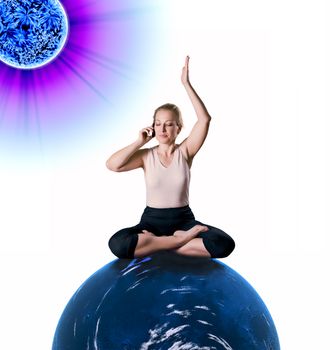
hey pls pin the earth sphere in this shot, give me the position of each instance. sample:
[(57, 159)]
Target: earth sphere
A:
[(169, 302)]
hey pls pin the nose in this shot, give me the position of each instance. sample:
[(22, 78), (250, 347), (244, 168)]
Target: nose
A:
[(164, 127)]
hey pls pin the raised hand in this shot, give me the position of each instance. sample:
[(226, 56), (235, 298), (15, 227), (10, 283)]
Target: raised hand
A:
[(185, 72), (146, 134)]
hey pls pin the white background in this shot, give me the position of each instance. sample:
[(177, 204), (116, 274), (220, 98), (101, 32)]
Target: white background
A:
[(262, 70)]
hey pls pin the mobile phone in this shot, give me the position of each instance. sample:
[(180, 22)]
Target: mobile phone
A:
[(153, 130)]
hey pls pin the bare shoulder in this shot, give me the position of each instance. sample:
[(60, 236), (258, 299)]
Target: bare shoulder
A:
[(135, 161)]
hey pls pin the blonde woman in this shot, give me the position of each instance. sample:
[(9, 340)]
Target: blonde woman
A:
[(167, 222)]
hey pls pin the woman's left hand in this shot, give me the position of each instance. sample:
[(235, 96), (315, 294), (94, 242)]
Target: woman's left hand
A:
[(185, 72)]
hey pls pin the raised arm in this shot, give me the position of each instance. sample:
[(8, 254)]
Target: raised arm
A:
[(130, 157), (198, 134)]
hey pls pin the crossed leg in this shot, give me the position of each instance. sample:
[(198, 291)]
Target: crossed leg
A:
[(183, 242), (195, 247), (197, 240)]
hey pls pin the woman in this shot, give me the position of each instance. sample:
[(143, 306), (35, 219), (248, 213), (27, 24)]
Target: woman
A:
[(167, 222)]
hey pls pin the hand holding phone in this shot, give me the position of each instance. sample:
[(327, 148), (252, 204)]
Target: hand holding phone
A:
[(146, 134), (151, 132)]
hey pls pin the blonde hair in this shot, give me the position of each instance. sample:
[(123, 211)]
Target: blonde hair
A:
[(173, 108)]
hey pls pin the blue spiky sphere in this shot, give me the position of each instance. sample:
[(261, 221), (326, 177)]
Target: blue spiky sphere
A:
[(32, 33)]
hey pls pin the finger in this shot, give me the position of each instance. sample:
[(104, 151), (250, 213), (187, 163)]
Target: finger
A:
[(145, 133), (148, 131), (187, 61)]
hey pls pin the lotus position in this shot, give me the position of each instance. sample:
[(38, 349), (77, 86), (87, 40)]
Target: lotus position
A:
[(167, 222)]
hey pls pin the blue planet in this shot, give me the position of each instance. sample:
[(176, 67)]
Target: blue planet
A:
[(166, 302), (32, 32)]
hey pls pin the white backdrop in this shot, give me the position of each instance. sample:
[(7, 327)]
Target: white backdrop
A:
[(261, 68)]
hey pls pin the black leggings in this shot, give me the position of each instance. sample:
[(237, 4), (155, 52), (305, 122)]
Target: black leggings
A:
[(164, 222)]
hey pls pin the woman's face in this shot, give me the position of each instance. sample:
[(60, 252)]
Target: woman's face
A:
[(166, 127)]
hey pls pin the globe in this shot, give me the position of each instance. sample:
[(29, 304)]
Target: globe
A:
[(32, 32), (166, 301)]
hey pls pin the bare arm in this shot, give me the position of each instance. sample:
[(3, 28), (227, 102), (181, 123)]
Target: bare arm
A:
[(198, 134), (130, 157)]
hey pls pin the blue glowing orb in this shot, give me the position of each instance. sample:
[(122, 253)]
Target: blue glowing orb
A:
[(166, 302), (32, 33)]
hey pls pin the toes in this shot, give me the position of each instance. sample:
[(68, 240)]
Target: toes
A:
[(148, 233), (202, 228)]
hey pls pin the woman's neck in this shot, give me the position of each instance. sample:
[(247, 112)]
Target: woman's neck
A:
[(166, 149)]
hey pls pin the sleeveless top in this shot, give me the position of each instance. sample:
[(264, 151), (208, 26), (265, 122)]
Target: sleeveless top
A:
[(166, 187)]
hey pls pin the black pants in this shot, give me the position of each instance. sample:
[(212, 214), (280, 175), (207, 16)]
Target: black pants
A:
[(164, 222)]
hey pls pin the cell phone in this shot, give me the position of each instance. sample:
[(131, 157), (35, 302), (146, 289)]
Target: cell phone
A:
[(153, 130)]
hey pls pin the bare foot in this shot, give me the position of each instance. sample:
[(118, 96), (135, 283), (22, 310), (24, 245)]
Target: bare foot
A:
[(194, 231), (148, 233)]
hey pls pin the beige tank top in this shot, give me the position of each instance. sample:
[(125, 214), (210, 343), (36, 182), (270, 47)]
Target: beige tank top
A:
[(167, 187)]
